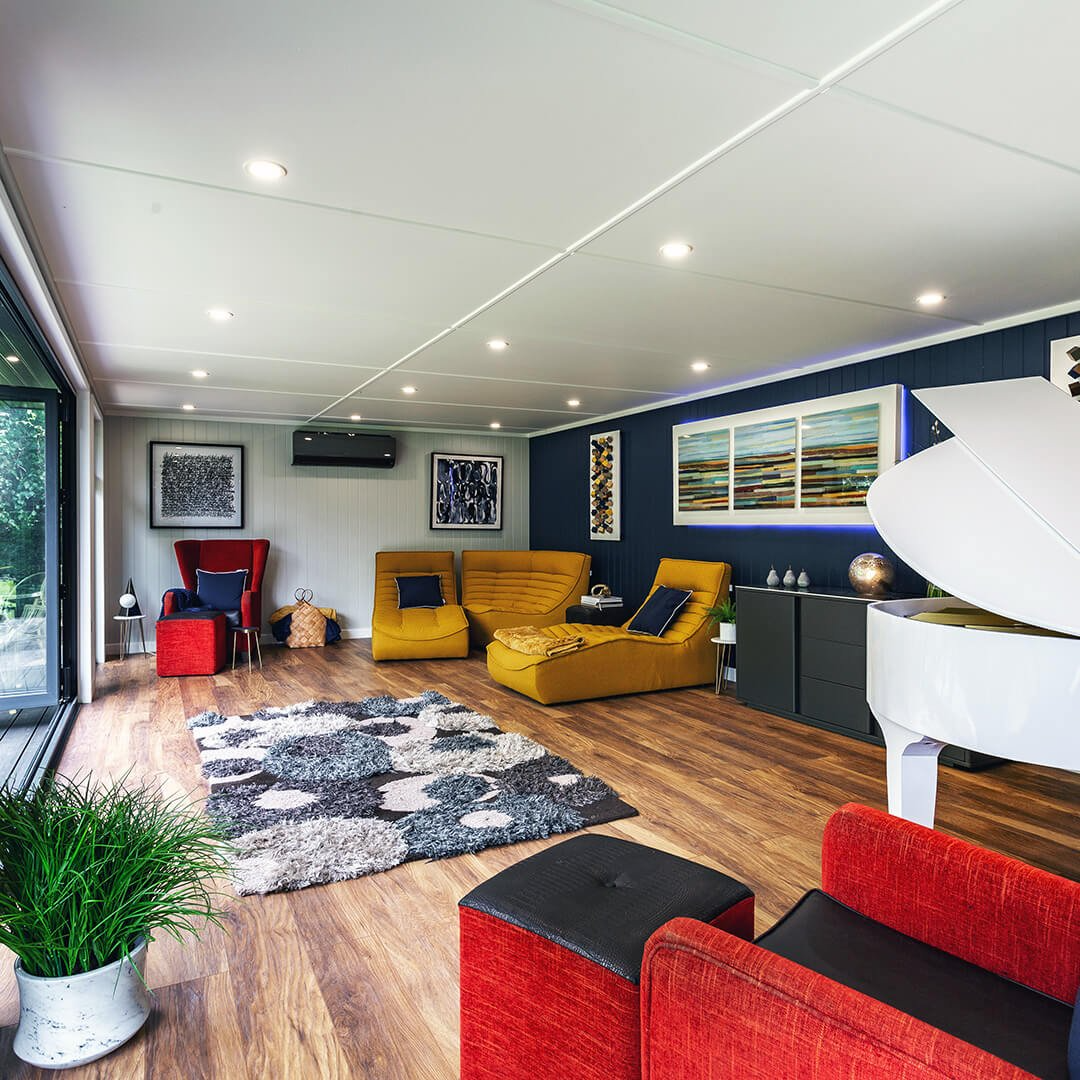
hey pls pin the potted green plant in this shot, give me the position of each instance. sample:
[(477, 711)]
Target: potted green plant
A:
[(722, 615), (87, 874)]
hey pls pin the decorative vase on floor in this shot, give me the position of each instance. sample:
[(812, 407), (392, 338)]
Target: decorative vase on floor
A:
[(74, 1019)]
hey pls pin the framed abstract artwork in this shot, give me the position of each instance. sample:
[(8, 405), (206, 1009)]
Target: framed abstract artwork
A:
[(466, 491), (810, 463), (604, 486), (196, 486), (1065, 365)]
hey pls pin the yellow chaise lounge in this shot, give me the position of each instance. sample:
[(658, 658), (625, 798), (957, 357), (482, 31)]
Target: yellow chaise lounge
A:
[(615, 661), (419, 633), (517, 588)]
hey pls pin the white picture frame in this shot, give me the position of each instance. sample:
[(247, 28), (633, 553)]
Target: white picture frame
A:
[(1063, 366), (706, 491)]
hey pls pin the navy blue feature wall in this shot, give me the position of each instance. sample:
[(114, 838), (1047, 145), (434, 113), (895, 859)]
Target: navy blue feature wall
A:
[(558, 468)]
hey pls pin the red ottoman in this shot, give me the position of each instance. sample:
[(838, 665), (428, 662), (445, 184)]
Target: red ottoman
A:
[(191, 643), (551, 952)]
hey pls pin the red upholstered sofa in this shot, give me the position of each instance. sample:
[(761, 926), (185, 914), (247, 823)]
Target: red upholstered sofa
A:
[(986, 944), (219, 556)]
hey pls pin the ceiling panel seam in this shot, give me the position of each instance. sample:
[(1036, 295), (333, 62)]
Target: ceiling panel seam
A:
[(785, 109)]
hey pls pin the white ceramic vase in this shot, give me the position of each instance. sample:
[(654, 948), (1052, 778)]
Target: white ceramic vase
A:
[(71, 1020), (726, 633)]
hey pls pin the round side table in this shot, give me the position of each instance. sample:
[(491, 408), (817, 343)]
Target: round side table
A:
[(126, 622), (723, 651), (251, 637)]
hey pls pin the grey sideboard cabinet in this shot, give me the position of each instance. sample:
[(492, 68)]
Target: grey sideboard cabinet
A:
[(802, 655)]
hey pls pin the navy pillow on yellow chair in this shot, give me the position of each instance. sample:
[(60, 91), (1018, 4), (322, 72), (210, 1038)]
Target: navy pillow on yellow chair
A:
[(421, 590), (657, 612)]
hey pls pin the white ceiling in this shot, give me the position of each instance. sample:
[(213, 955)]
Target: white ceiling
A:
[(440, 152)]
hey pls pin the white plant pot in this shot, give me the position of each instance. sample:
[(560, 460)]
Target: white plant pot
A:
[(74, 1019), (726, 633)]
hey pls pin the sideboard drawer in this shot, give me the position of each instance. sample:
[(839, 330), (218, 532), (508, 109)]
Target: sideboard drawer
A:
[(833, 620), (844, 706), (833, 661)]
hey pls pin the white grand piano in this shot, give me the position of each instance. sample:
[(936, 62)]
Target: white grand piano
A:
[(993, 517)]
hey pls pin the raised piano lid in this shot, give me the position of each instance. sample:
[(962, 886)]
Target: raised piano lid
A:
[(993, 515)]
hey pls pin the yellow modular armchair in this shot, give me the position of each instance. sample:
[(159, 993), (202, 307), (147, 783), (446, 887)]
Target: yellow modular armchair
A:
[(515, 588), (416, 633), (614, 661)]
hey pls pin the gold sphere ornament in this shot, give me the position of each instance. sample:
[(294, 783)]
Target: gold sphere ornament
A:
[(871, 574)]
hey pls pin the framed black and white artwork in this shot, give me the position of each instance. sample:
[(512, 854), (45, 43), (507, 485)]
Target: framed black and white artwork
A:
[(196, 486), (466, 491)]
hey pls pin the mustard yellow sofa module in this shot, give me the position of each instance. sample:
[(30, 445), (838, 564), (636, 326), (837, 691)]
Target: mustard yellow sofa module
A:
[(516, 588), (615, 661), (416, 633)]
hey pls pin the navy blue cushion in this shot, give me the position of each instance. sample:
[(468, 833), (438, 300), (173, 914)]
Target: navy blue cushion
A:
[(657, 612), (221, 591), (423, 590)]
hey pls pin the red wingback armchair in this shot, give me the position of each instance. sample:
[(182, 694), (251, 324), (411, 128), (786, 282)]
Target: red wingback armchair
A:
[(219, 556)]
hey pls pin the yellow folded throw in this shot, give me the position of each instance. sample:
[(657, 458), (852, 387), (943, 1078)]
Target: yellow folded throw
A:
[(529, 640)]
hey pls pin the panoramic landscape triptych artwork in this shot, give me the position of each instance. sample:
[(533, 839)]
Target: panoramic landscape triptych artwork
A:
[(811, 462)]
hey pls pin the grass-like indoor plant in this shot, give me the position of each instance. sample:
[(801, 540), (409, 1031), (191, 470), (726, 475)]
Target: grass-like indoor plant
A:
[(722, 615), (88, 872)]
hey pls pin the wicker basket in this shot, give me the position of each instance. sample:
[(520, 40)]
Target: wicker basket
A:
[(308, 627)]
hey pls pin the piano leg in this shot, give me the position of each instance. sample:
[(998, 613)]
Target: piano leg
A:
[(911, 772)]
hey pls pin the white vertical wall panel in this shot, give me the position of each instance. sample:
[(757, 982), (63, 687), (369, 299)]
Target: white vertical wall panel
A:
[(324, 524)]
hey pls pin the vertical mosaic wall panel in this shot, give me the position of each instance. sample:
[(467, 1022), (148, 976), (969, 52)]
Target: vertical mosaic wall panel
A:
[(839, 456), (704, 465), (604, 486)]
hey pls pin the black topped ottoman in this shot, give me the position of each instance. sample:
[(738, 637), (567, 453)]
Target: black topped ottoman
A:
[(551, 954)]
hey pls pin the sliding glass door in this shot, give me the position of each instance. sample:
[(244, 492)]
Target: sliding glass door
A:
[(29, 559)]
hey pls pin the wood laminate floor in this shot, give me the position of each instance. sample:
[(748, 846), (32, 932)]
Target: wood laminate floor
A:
[(359, 978)]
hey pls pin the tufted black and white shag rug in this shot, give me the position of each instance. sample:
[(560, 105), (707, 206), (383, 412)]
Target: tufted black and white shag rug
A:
[(328, 790)]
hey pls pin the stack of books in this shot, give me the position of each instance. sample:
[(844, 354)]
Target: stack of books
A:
[(602, 601)]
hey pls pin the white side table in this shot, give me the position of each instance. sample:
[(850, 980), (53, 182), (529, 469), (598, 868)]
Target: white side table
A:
[(723, 651), (126, 623)]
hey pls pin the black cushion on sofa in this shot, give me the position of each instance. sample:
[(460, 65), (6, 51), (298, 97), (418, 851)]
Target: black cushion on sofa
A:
[(1011, 1021), (657, 612), (422, 590), (602, 898)]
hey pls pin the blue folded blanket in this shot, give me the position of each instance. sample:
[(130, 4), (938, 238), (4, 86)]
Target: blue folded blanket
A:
[(185, 600)]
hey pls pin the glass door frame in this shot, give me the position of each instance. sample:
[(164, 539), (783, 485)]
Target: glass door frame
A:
[(50, 400)]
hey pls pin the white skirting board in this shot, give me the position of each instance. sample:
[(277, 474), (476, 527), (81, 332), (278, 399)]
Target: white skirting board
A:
[(112, 649)]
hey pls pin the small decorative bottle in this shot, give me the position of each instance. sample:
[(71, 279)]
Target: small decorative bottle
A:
[(789, 579), (804, 579), (773, 579)]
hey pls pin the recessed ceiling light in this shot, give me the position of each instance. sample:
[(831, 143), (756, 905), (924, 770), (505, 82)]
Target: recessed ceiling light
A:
[(307, 438), (219, 314), (498, 344), (188, 407), (495, 424), (699, 365), (676, 249), (261, 169), (355, 416), (198, 373), (573, 402), (408, 389), (929, 299), (13, 359)]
